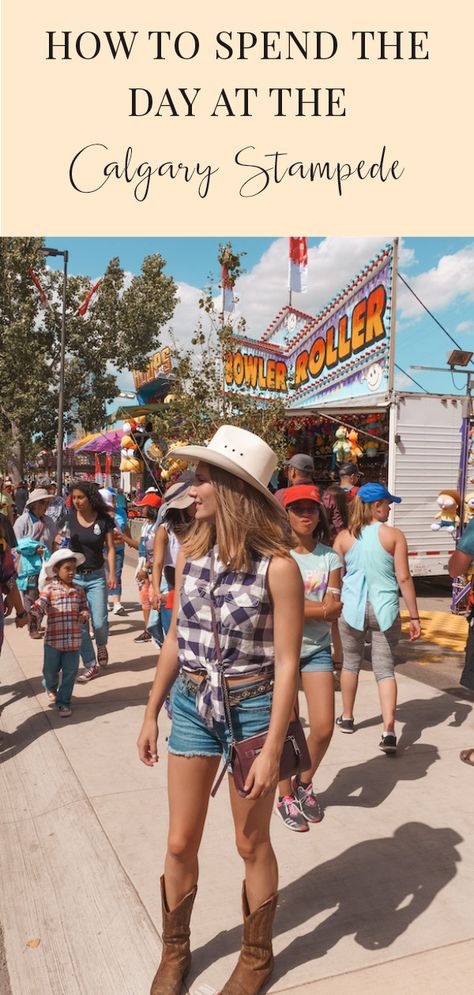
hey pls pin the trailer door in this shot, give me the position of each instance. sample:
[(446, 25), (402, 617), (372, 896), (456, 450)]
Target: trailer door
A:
[(425, 449)]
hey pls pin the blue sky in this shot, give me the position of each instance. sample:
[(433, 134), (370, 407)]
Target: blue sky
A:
[(440, 270)]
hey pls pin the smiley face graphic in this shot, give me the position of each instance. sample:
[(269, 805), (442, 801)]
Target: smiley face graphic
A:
[(374, 376)]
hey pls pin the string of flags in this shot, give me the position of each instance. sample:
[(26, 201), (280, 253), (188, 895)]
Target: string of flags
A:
[(82, 309)]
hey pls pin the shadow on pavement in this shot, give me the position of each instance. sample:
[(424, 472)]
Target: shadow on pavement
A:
[(425, 713), (368, 784), (360, 892), (37, 724), (420, 714)]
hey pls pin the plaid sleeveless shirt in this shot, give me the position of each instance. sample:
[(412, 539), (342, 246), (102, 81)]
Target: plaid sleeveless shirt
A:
[(244, 621)]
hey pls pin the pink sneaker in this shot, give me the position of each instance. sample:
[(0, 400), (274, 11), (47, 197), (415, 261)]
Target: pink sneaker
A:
[(307, 800), (89, 674), (288, 810)]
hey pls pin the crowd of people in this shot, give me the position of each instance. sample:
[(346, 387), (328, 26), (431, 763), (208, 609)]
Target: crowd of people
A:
[(250, 596)]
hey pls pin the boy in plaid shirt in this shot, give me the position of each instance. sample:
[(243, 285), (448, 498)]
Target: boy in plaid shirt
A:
[(65, 606)]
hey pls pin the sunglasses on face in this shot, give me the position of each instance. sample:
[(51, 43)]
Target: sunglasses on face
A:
[(300, 508)]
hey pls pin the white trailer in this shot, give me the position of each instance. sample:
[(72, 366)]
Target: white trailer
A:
[(424, 456), (424, 449)]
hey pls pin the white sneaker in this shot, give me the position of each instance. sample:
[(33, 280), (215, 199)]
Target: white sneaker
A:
[(118, 609)]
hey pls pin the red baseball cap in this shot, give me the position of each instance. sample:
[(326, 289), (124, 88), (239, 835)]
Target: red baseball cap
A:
[(152, 500), (301, 492)]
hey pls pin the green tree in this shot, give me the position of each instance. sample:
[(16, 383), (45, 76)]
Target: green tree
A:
[(121, 327), (198, 402)]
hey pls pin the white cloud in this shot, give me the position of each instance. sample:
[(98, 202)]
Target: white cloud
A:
[(452, 279), (264, 289), (331, 265), (185, 318), (406, 256), (403, 381), (465, 326)]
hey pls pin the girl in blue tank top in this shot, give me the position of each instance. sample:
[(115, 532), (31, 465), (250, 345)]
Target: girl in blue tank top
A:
[(376, 566)]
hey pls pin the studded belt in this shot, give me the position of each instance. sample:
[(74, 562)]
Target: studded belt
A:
[(236, 695)]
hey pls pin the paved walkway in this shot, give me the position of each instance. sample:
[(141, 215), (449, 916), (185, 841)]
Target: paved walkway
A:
[(378, 897)]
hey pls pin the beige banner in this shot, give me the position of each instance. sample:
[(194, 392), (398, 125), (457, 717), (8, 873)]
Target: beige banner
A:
[(259, 119)]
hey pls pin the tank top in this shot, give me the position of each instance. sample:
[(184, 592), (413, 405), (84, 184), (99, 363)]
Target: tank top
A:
[(370, 575), (244, 623), (171, 555)]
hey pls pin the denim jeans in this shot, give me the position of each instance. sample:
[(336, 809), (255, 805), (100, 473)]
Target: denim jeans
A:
[(119, 557), (191, 737), (95, 587), (159, 623), (64, 662)]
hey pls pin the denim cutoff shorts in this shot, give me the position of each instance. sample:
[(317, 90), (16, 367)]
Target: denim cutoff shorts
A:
[(318, 663), (191, 737)]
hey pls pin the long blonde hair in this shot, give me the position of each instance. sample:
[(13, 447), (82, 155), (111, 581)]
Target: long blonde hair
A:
[(360, 513), (246, 522)]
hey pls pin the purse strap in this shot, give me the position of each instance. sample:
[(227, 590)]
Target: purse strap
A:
[(215, 632)]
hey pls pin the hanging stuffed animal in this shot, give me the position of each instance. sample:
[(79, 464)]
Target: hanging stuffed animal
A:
[(354, 449), (468, 507), (341, 447), (447, 517), (172, 466), (130, 462), (371, 447)]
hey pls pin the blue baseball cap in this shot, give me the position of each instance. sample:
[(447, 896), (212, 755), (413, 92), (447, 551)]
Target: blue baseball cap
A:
[(376, 492)]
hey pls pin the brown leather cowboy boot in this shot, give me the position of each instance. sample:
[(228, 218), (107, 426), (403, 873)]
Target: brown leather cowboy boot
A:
[(176, 956), (255, 963)]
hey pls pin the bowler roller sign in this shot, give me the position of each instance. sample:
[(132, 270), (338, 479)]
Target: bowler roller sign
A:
[(341, 353)]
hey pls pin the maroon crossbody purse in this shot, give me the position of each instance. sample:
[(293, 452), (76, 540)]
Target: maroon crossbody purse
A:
[(294, 758)]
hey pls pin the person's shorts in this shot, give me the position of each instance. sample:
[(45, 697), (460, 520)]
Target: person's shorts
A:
[(384, 644), (191, 737), (145, 589), (318, 663)]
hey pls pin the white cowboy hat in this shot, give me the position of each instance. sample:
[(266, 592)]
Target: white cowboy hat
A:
[(39, 494), (59, 556), (237, 451)]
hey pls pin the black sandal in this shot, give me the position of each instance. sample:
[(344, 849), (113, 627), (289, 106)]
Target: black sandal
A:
[(466, 755)]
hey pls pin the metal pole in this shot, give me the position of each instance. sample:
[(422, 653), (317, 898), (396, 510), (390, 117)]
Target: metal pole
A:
[(393, 318), (59, 452), (465, 442)]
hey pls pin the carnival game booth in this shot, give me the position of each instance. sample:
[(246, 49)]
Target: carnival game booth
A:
[(335, 373)]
